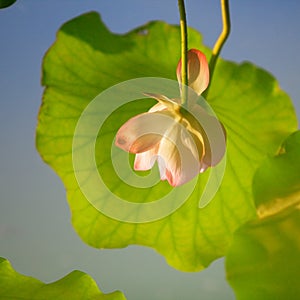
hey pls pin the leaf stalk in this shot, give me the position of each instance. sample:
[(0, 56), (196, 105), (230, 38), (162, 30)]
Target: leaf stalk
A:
[(221, 40)]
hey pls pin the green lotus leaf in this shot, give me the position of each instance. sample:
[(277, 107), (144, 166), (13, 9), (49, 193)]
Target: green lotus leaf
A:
[(87, 59), (263, 260), (76, 285), (276, 183)]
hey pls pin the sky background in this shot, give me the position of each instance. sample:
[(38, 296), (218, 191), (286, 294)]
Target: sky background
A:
[(35, 230)]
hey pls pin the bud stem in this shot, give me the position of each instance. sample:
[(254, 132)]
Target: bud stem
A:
[(184, 50)]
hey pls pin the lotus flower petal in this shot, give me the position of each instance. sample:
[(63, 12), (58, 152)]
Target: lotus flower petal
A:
[(145, 161), (214, 135), (143, 132), (197, 69), (177, 162)]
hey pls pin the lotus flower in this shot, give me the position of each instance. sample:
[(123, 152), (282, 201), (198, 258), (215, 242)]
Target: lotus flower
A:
[(173, 136)]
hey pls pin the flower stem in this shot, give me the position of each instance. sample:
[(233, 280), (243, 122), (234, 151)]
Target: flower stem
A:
[(221, 40), (184, 50)]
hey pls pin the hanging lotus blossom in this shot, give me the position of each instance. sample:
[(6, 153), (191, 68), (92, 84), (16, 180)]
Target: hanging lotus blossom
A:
[(183, 142)]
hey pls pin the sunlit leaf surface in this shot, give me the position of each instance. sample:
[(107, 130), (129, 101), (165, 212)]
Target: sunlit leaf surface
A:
[(277, 182), (86, 59), (263, 261)]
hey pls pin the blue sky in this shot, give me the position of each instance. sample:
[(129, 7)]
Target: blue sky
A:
[(35, 230)]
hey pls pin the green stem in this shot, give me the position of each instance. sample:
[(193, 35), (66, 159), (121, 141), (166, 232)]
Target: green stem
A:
[(184, 50), (220, 41)]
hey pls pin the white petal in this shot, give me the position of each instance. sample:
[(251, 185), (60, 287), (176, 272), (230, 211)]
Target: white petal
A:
[(143, 132), (157, 107), (145, 161), (214, 136), (171, 104), (176, 161), (195, 145)]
